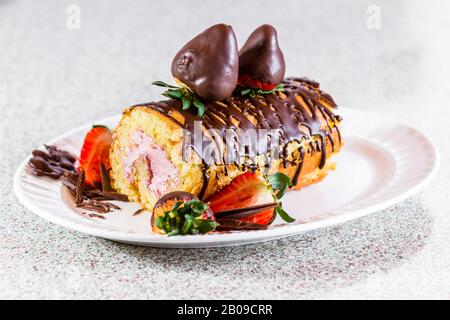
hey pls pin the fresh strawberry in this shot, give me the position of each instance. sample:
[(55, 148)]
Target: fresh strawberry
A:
[(245, 191), (265, 217), (247, 81), (94, 152)]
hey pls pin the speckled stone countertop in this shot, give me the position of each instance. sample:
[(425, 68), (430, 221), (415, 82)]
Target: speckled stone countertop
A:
[(53, 78)]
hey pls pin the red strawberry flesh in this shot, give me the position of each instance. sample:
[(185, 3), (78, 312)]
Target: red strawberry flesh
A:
[(94, 152), (246, 190)]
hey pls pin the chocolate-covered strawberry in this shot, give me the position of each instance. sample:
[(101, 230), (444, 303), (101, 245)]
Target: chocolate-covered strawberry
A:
[(261, 62), (208, 64), (181, 213)]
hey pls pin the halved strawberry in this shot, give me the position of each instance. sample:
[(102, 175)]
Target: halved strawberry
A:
[(245, 191), (265, 217), (94, 152), (247, 81)]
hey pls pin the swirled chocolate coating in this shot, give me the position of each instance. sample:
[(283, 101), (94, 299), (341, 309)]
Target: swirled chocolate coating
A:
[(208, 64), (261, 58)]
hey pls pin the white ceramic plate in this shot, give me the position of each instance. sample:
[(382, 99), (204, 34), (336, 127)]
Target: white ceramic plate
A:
[(382, 162)]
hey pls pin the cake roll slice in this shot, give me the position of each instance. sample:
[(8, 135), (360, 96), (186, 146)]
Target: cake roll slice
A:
[(158, 147)]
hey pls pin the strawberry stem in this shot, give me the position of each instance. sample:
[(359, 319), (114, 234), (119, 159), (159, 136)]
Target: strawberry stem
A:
[(280, 183), (253, 92)]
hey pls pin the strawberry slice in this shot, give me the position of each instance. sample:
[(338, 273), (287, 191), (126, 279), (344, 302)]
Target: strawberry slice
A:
[(245, 191), (247, 81), (94, 152), (265, 217)]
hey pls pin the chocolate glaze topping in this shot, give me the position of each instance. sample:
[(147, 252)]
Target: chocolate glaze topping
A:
[(261, 57), (208, 64), (297, 113)]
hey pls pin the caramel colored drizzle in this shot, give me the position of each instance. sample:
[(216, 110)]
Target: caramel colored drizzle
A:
[(301, 111)]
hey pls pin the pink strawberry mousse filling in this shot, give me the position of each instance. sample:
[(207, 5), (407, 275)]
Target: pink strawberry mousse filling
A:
[(162, 173)]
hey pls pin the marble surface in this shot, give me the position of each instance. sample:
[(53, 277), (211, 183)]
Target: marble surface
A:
[(53, 78)]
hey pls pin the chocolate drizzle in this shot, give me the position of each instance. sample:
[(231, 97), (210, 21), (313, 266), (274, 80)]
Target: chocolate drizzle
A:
[(301, 111), (299, 166)]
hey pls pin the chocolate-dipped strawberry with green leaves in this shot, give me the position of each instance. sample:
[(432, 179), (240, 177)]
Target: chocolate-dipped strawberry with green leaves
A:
[(182, 213), (261, 62), (208, 64)]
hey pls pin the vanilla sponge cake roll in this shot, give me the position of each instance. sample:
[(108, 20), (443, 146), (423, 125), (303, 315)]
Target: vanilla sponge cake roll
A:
[(154, 152)]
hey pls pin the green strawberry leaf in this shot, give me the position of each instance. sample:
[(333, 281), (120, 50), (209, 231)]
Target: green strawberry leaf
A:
[(172, 93), (253, 92), (207, 225), (187, 102), (200, 107), (280, 183), (283, 214), (186, 218), (163, 84), (245, 91)]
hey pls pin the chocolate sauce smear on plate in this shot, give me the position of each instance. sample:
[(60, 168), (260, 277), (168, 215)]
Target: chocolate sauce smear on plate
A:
[(52, 162), (90, 197), (298, 112)]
